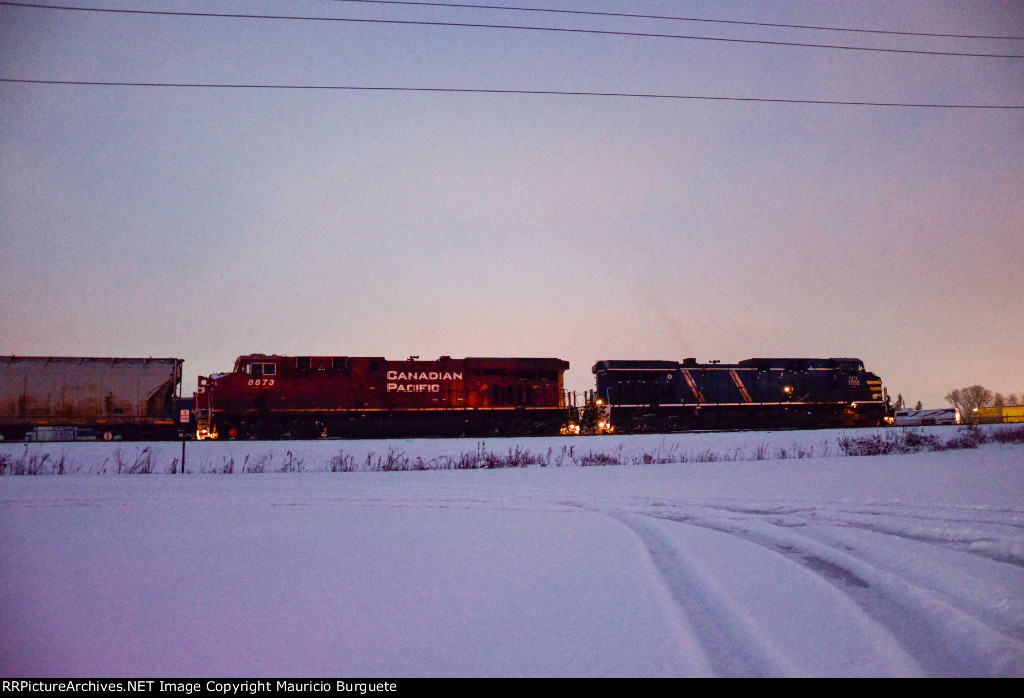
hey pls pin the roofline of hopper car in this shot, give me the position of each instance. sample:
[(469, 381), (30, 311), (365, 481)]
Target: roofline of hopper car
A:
[(125, 359)]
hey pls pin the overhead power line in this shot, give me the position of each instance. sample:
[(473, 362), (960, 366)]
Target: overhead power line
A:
[(473, 25), (630, 15), (460, 90)]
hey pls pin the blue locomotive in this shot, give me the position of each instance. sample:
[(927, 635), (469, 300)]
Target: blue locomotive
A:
[(664, 396)]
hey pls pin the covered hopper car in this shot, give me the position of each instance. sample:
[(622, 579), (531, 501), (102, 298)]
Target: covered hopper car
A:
[(272, 396), (124, 398), (664, 396)]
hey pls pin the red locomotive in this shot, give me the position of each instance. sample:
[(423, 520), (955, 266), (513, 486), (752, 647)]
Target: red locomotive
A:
[(271, 396)]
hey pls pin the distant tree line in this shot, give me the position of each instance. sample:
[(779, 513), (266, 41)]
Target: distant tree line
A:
[(976, 397), (970, 398)]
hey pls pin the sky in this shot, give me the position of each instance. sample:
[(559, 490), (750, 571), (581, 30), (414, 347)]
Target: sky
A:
[(206, 223)]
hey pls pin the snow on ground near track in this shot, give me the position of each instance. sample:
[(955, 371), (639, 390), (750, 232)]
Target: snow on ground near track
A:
[(901, 565)]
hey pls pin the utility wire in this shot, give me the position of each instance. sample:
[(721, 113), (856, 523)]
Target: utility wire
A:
[(561, 93), (629, 15), (603, 32)]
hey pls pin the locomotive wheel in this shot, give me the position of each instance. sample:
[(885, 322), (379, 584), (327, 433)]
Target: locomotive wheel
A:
[(304, 430)]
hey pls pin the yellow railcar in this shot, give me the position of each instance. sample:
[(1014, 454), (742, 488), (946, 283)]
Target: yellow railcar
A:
[(997, 415)]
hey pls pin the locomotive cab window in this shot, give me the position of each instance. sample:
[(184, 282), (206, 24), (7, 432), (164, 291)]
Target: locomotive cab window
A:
[(261, 370), (303, 363)]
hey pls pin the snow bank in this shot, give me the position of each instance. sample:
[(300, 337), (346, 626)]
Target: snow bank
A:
[(898, 565)]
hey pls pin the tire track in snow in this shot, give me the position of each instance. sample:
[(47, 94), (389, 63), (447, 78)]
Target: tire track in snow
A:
[(732, 644), (985, 587), (986, 535), (969, 546), (945, 514), (944, 639)]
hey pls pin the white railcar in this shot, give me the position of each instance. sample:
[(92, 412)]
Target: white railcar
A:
[(918, 418)]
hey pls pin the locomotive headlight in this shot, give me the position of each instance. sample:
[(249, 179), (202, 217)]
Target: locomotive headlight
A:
[(788, 390), (600, 402)]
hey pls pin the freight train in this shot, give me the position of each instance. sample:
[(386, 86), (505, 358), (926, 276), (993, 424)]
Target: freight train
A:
[(303, 397)]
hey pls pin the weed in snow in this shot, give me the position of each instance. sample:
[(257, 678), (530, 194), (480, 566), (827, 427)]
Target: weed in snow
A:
[(35, 459)]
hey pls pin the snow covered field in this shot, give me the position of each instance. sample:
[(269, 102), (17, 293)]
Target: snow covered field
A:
[(757, 554)]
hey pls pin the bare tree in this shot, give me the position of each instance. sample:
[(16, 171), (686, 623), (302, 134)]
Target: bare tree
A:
[(1012, 400), (970, 399)]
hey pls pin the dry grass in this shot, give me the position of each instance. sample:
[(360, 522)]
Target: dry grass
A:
[(141, 460)]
